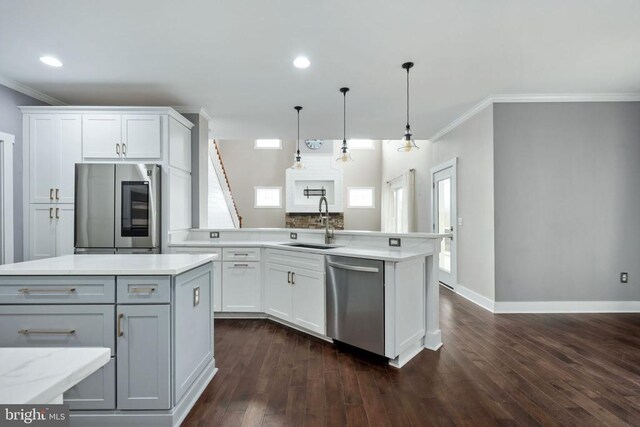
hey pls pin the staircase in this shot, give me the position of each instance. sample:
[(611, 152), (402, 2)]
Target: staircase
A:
[(217, 212)]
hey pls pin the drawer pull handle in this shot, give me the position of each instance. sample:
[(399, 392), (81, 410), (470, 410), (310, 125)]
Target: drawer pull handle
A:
[(241, 265), (51, 290), (120, 317), (239, 254), (46, 332), (148, 290)]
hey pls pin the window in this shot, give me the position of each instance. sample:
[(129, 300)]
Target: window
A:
[(268, 144), (361, 144), (361, 197), (268, 197)]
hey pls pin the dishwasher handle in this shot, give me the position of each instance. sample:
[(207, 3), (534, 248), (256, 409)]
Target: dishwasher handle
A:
[(353, 267)]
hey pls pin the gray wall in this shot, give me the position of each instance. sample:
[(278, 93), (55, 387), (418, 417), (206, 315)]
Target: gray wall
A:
[(248, 168), (567, 201), (472, 144), (11, 122)]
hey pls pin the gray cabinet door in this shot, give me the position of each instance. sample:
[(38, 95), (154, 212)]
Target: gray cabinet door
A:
[(143, 362)]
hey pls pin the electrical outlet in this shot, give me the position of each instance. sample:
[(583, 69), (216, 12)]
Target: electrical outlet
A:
[(624, 277), (214, 235), (293, 236), (394, 241)]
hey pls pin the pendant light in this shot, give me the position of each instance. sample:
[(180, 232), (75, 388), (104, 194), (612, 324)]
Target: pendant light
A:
[(345, 156), (298, 163), (408, 143)]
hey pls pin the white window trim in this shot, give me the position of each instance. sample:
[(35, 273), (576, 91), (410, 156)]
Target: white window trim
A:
[(256, 147), (372, 147), (255, 197), (373, 190)]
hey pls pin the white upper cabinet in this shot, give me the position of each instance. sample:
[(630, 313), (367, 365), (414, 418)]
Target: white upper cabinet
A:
[(54, 149), (141, 137), (101, 136)]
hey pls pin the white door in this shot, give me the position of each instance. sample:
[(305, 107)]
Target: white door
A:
[(101, 136), (69, 153), (42, 232), (241, 286), (308, 300), (43, 147), (443, 216), (64, 230), (141, 136), (277, 288)]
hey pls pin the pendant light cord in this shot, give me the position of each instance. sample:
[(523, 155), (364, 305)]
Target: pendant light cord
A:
[(407, 96), (344, 117)]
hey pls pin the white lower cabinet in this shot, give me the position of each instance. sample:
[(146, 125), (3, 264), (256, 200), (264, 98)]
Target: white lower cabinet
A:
[(143, 362), (51, 230), (296, 295), (241, 290), (217, 286)]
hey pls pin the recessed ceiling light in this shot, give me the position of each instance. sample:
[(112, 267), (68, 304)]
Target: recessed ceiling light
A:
[(301, 62), (51, 61)]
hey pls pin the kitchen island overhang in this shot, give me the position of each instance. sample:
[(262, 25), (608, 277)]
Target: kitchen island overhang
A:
[(154, 313)]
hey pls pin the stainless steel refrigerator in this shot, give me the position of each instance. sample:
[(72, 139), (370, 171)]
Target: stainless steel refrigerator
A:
[(117, 208)]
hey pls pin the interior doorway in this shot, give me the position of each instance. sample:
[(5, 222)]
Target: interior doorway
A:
[(443, 217)]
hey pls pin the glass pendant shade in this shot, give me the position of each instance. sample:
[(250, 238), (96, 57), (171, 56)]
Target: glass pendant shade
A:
[(297, 164), (345, 156)]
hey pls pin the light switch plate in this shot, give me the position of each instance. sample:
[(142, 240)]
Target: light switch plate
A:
[(460, 221), (624, 277), (196, 296), (293, 236), (395, 241), (214, 235)]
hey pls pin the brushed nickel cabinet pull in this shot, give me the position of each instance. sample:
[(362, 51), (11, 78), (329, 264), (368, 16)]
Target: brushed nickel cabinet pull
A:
[(120, 317), (57, 194), (149, 290), (51, 194), (50, 290), (57, 213), (241, 265), (289, 277), (50, 213), (240, 254), (293, 278), (118, 149), (46, 332), (124, 149)]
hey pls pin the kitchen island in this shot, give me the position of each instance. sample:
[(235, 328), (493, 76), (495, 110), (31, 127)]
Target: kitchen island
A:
[(153, 313)]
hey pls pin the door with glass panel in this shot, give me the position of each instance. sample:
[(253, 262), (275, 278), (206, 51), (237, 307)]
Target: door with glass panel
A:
[(443, 214)]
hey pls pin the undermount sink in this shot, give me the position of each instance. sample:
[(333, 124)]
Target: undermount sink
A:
[(310, 246)]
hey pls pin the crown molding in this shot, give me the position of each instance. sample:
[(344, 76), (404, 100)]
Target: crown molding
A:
[(26, 90), (187, 109), (543, 97)]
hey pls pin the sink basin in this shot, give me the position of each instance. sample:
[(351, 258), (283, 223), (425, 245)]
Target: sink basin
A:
[(310, 245)]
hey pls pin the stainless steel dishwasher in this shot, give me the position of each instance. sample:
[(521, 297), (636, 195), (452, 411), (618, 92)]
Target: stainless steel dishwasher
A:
[(355, 302)]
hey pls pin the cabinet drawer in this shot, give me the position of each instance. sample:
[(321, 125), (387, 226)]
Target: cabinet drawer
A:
[(97, 391), (144, 289), (57, 326), (57, 290), (241, 254), (293, 259)]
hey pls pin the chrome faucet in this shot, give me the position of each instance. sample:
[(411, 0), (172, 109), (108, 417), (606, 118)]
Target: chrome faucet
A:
[(328, 234)]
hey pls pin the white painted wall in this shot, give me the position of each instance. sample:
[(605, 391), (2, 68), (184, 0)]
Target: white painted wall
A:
[(472, 144)]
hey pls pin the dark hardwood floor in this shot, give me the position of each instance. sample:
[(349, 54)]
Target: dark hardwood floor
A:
[(552, 369)]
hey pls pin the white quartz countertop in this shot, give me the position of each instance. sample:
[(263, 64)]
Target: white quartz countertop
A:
[(39, 375), (138, 264), (377, 253)]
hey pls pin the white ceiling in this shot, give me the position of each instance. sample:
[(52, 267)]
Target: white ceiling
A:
[(234, 57)]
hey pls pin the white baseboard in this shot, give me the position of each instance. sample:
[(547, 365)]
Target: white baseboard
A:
[(567, 307), (514, 307), (476, 298)]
